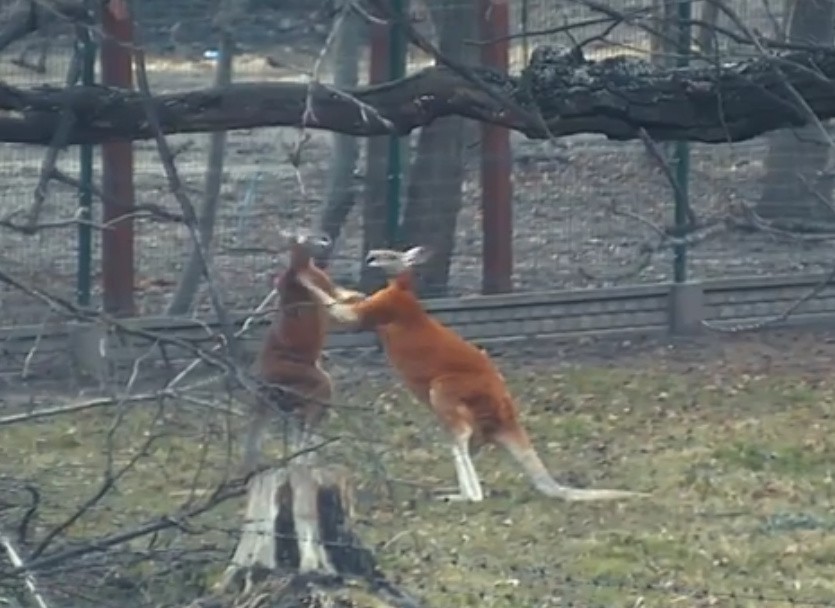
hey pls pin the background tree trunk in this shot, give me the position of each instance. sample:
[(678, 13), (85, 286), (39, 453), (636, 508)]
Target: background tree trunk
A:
[(434, 195), (708, 42), (193, 272), (375, 201), (796, 185), (342, 184)]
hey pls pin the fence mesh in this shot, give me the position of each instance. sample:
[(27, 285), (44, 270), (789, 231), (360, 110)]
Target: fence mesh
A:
[(731, 438), (565, 234)]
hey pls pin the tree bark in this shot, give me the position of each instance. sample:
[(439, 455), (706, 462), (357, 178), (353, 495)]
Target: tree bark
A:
[(662, 41), (797, 186), (708, 41), (376, 171), (434, 196), (615, 97), (297, 547), (342, 184), (193, 272)]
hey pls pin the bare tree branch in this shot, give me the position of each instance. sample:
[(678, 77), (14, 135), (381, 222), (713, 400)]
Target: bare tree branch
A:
[(189, 214)]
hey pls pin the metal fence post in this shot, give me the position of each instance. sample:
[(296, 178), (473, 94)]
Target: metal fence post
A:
[(117, 169), (496, 161), (397, 69), (85, 177), (687, 298), (682, 150)]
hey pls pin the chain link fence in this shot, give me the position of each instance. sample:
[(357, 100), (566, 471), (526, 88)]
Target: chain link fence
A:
[(107, 499), (565, 234)]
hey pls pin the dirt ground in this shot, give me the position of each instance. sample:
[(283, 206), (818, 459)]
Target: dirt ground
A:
[(561, 208), (731, 436)]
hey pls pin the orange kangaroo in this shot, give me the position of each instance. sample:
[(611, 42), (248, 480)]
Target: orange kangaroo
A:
[(291, 350), (456, 379)]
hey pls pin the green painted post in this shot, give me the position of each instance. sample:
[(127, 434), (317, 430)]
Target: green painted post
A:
[(397, 69), (85, 193), (682, 150)]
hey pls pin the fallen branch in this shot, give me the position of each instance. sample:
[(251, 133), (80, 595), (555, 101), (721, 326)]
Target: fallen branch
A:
[(615, 97), (17, 562)]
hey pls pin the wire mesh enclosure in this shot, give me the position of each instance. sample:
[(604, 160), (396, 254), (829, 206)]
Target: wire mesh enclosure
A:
[(575, 200), (133, 362)]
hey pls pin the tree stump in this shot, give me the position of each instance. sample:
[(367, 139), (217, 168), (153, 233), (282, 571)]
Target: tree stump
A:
[(297, 548)]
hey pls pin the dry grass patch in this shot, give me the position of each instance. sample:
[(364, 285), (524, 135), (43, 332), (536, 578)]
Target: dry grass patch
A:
[(739, 467)]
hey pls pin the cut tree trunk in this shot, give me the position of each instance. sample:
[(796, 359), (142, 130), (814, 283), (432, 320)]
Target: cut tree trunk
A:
[(297, 548), (797, 186)]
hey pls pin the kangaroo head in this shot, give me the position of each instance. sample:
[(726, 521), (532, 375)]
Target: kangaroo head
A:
[(306, 243), (394, 262)]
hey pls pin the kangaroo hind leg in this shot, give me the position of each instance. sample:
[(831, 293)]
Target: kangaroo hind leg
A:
[(259, 415), (312, 412), (449, 411)]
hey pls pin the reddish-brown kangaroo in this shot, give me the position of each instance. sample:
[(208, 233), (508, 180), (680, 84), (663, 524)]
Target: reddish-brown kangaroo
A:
[(289, 361), (457, 380)]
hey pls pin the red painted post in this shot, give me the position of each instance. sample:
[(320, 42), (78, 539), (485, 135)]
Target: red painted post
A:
[(117, 169), (496, 163), (378, 62)]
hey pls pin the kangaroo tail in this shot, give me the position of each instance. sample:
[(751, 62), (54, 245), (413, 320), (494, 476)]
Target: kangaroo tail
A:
[(521, 449)]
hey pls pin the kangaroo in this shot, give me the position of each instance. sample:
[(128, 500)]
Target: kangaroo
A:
[(290, 354), (456, 379)]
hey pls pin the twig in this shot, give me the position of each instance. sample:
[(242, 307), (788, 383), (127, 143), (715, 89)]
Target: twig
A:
[(693, 234), (99, 402), (294, 153), (176, 187), (27, 362), (653, 150), (221, 495), (229, 369), (244, 328), (109, 480), (32, 229), (779, 318), (17, 562), (533, 119), (151, 208), (66, 122), (189, 282)]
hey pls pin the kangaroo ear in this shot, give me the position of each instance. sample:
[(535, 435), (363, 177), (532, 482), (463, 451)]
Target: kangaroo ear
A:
[(417, 255), (288, 237)]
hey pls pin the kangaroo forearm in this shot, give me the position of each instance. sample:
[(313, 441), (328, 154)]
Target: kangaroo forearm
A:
[(347, 296)]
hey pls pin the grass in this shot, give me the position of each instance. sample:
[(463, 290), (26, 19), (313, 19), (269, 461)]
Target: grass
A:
[(739, 467)]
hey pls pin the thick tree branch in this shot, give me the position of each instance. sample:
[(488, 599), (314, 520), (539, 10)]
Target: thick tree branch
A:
[(616, 97)]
